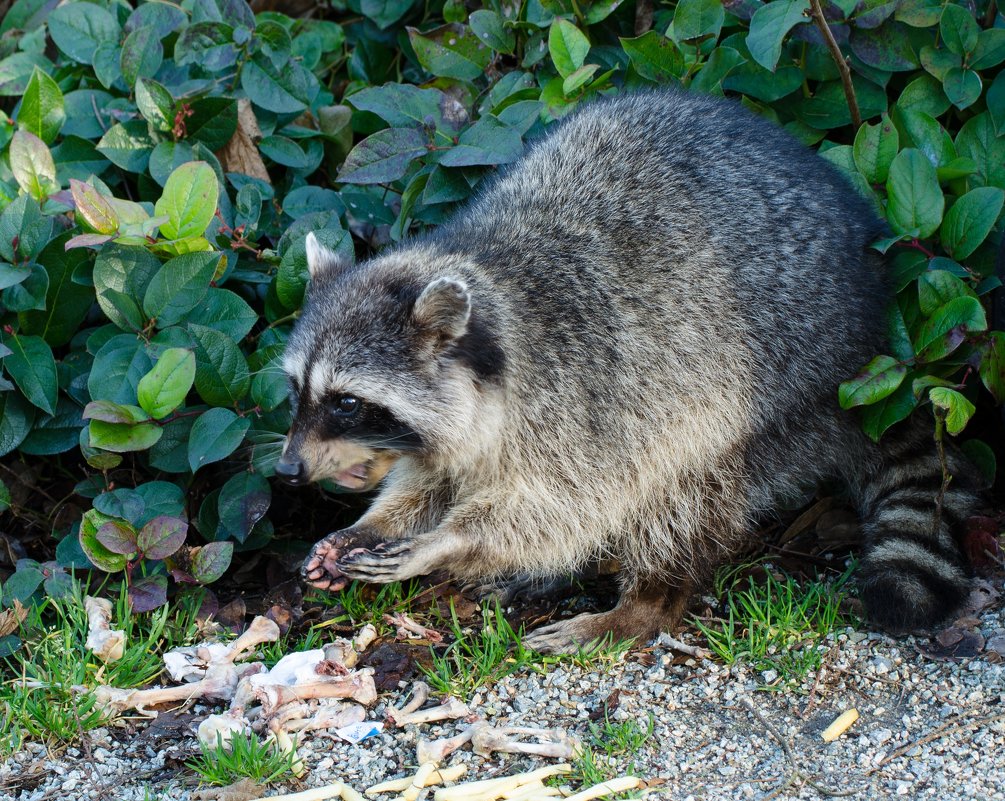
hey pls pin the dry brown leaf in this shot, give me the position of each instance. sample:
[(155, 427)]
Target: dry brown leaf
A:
[(10, 619), (241, 154)]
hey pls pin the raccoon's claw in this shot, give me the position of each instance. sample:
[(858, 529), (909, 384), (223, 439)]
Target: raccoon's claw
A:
[(320, 568), (389, 561), (585, 633)]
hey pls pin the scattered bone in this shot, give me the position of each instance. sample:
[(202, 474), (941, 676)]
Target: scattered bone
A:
[(612, 787), (364, 638), (219, 730), (108, 644), (317, 794), (533, 790), (347, 652), (284, 745), (305, 716), (419, 780), (408, 629), (840, 725), (490, 789), (438, 776), (358, 686), (450, 709), (438, 750), (349, 794), (682, 647), (556, 742), (420, 694), (189, 662), (261, 631)]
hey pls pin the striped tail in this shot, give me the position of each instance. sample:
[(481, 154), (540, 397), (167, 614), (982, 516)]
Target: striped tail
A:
[(913, 572)]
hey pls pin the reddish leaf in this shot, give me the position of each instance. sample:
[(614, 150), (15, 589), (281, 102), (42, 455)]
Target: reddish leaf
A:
[(118, 537), (162, 536), (211, 561), (981, 545), (148, 593)]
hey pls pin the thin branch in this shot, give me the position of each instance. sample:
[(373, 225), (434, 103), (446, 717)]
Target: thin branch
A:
[(937, 734), (849, 89)]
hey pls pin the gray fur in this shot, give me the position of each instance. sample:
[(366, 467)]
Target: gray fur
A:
[(635, 351)]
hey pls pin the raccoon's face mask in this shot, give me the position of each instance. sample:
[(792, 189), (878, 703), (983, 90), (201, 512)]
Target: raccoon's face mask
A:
[(359, 367)]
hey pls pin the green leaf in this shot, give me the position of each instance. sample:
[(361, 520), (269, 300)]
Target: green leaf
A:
[(179, 286), (226, 312), (962, 87), (111, 412), (243, 501), (155, 103), (888, 47), (489, 27), (98, 554), (914, 198), (162, 536), (992, 368), (211, 561), (26, 15), (118, 367), (164, 388), (121, 277), (189, 201), (568, 46), (978, 141), (32, 165), (957, 408), (142, 54), (769, 26), (947, 328), (78, 29), (937, 61), (694, 19), (990, 50), (287, 153), (878, 417), (578, 79), (450, 51), (655, 57), (16, 418), (33, 368), (66, 303), (284, 91), (118, 537), (127, 145), (383, 156), (221, 377), (937, 287), (215, 435), (93, 209), (406, 106), (488, 141), (213, 121), (958, 29), (878, 379), (995, 99), (874, 150), (970, 219), (24, 230), (41, 112), (209, 44), (122, 437)]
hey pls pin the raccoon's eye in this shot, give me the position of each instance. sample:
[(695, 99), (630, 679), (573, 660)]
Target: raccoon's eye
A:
[(346, 406)]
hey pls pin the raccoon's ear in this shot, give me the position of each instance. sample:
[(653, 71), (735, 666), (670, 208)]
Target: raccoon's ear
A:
[(444, 307), (320, 260)]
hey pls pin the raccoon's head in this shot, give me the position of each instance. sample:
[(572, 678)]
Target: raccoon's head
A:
[(387, 359)]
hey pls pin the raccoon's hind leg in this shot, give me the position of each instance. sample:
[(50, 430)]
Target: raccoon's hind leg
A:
[(913, 573), (648, 605)]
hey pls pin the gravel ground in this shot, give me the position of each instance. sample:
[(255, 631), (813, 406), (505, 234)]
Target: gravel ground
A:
[(929, 729)]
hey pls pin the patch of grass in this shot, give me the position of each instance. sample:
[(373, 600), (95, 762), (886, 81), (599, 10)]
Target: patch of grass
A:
[(39, 703), (775, 624), (496, 650), (363, 603), (245, 758), (611, 753)]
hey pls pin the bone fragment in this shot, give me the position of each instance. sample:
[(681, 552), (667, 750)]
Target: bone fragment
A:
[(286, 746), (317, 794), (408, 629), (533, 790), (450, 709), (420, 694), (310, 717), (261, 630), (349, 794), (219, 730), (219, 684), (494, 788), (108, 644), (612, 787), (557, 743), (364, 638), (840, 725), (358, 686), (438, 750), (438, 776), (419, 781)]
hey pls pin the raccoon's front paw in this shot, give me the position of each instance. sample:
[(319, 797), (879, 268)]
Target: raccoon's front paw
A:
[(389, 561), (321, 569)]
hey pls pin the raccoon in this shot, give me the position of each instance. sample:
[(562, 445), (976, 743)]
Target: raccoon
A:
[(626, 347)]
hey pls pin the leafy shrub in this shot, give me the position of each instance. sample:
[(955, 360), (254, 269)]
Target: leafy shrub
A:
[(162, 165)]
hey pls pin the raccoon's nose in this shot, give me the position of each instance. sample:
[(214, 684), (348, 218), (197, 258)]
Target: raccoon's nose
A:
[(292, 471)]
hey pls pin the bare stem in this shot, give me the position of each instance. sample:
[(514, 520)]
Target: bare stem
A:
[(842, 65)]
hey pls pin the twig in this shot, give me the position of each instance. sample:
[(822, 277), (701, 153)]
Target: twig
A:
[(796, 773), (937, 734), (684, 648), (812, 702), (849, 88)]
